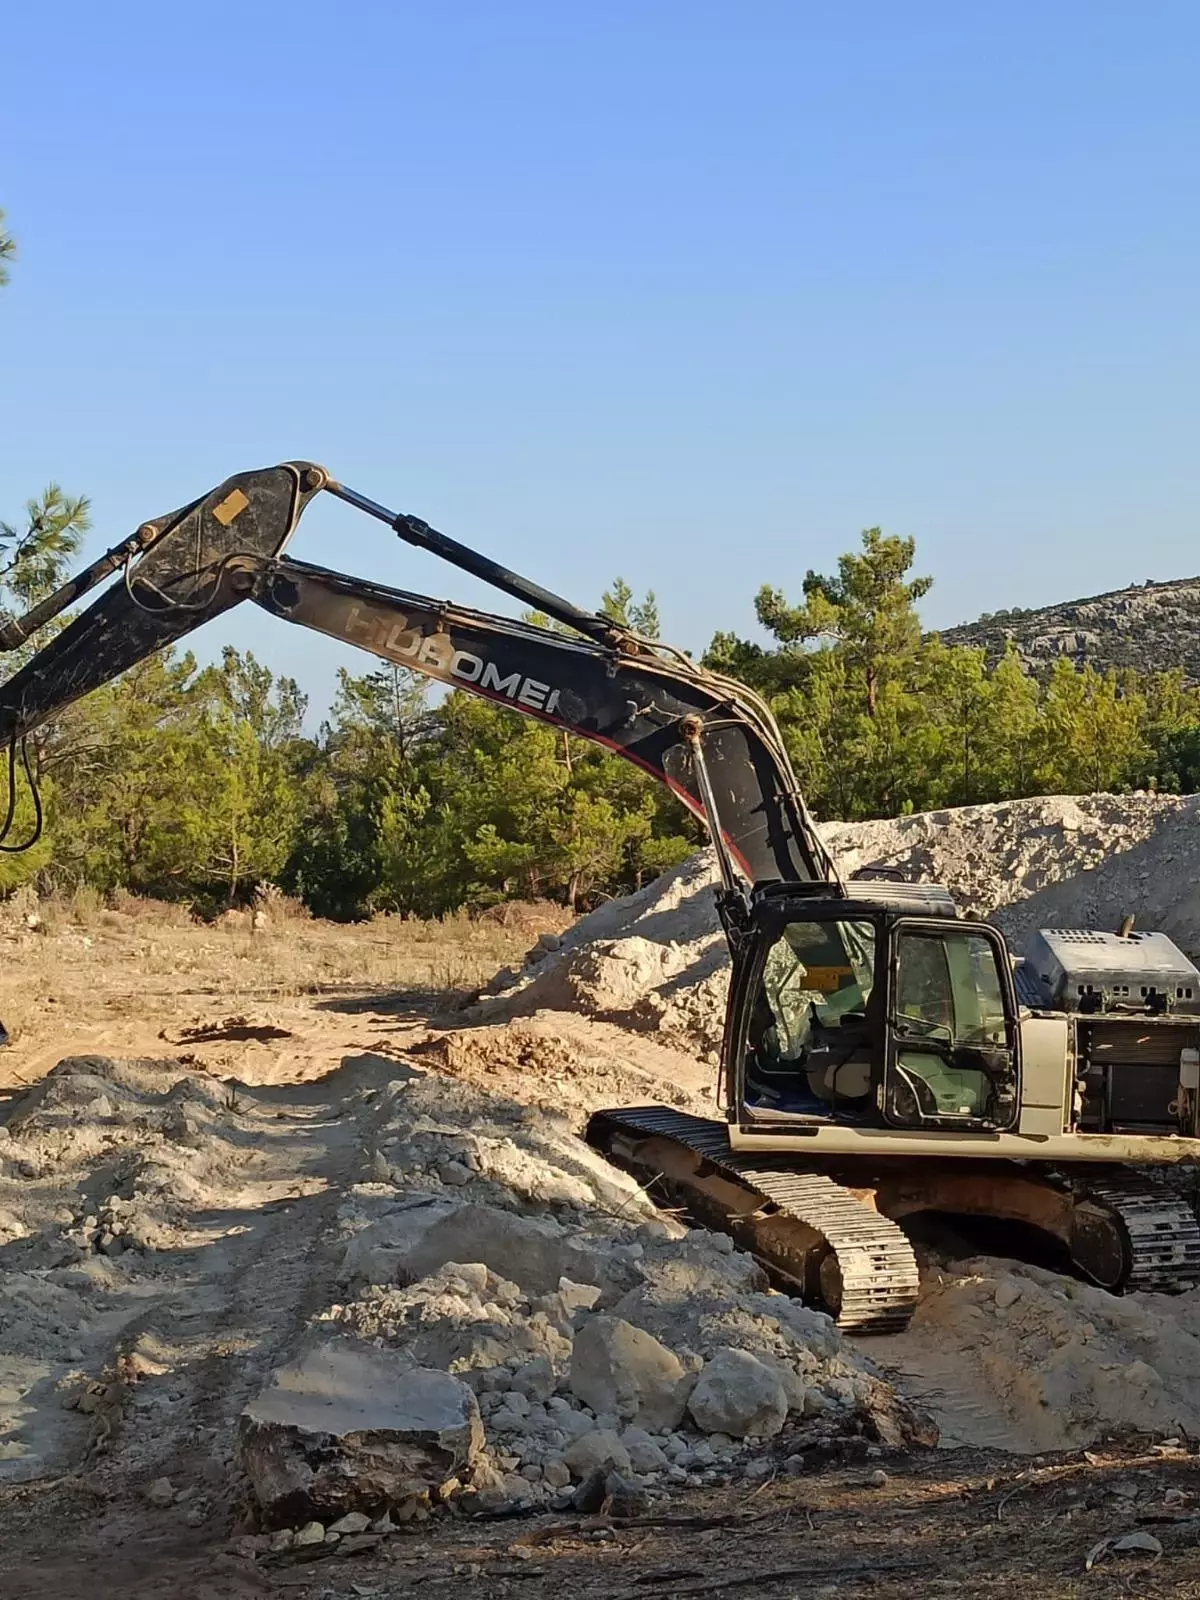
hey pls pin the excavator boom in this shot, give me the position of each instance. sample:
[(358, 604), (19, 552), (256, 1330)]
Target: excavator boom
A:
[(692, 729)]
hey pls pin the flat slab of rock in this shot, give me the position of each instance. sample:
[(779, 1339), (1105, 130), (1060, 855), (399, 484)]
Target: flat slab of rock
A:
[(348, 1427)]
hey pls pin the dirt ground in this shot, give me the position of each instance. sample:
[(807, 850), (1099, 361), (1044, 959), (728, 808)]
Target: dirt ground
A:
[(297, 1025)]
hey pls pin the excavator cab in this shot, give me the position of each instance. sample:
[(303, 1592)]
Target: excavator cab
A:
[(848, 1012)]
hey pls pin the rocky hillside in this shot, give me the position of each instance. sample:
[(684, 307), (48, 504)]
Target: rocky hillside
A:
[(1150, 626)]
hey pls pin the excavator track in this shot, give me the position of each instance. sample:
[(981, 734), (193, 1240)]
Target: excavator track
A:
[(1134, 1234), (874, 1282)]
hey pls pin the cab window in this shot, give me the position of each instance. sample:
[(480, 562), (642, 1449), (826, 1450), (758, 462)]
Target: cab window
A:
[(809, 1047), (949, 986), (951, 1057)]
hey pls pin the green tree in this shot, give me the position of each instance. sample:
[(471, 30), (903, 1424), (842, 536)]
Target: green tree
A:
[(1092, 731), (1013, 741), (640, 615), (361, 845), (868, 610)]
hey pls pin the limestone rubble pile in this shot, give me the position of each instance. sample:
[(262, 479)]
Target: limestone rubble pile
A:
[(451, 1295), (597, 1335)]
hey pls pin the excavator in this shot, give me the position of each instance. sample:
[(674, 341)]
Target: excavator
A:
[(883, 1056)]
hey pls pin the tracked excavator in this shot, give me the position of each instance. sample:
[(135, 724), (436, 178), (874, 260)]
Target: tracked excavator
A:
[(882, 1055)]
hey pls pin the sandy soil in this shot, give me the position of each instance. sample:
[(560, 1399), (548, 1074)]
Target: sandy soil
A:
[(286, 1036)]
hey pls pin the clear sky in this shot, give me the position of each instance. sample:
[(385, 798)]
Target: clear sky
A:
[(690, 292)]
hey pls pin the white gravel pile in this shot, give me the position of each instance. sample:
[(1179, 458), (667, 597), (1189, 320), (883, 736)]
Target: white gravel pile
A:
[(185, 1262), (656, 960)]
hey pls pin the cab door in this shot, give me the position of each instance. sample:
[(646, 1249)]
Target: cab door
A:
[(951, 1057)]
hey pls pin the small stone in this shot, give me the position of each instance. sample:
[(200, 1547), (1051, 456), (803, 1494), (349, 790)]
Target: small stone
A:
[(332, 1538), (600, 1448), (577, 1296), (536, 1380), (502, 1420), (531, 1472), (196, 1517), (738, 1395), (517, 1489), (1008, 1292), (644, 1454), (556, 1473), (472, 1274), (576, 1424), (625, 1497), (353, 1544), (1145, 1542), (794, 1466), (161, 1493), (384, 1524), (352, 1522), (310, 1533), (591, 1493), (282, 1539), (516, 1401), (877, 1478), (758, 1469), (455, 1173)]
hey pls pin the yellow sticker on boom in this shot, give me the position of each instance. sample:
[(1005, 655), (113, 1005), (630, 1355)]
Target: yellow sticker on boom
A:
[(826, 980), (234, 503)]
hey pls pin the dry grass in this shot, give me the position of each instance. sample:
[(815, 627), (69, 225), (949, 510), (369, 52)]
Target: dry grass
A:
[(75, 965)]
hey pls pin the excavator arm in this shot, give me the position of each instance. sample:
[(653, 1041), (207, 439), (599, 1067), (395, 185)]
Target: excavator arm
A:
[(708, 738)]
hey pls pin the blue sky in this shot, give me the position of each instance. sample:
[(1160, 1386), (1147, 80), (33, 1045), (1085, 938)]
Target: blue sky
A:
[(689, 292)]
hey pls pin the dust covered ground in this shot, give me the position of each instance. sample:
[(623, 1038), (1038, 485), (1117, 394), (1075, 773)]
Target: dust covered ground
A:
[(225, 1147)]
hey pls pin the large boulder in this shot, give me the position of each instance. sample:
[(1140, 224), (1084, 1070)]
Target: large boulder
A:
[(616, 1367), (739, 1395), (347, 1427)]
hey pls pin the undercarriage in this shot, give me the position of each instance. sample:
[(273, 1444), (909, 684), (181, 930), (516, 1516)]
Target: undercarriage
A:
[(831, 1231)]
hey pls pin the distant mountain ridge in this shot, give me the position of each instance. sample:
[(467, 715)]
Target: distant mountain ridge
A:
[(1150, 626)]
